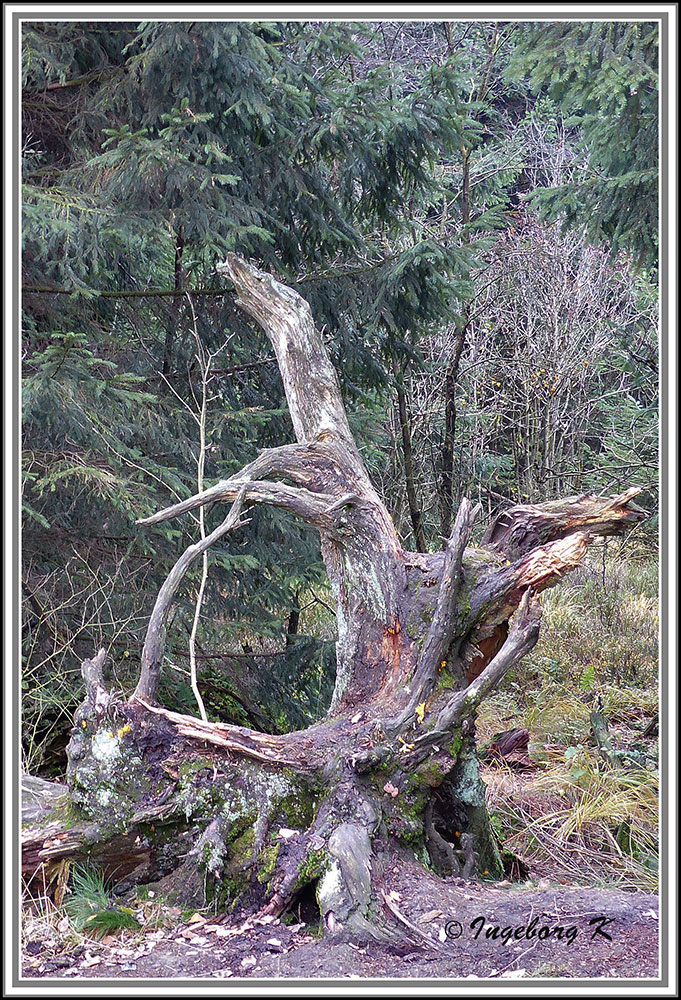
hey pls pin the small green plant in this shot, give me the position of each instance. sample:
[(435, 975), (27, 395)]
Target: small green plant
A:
[(90, 907)]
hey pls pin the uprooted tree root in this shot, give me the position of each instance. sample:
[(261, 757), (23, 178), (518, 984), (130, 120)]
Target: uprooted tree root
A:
[(226, 813)]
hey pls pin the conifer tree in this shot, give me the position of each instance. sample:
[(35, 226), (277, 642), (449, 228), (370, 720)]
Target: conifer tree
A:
[(604, 75), (149, 151)]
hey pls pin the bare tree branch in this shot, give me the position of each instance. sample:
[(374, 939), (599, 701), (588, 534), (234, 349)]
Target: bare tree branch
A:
[(154, 643), (522, 528), (312, 507), (443, 627), (521, 639)]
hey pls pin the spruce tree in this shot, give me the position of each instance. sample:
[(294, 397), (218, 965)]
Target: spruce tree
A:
[(604, 76), (150, 150)]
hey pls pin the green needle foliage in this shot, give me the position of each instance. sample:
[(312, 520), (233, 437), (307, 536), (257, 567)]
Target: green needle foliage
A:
[(604, 76)]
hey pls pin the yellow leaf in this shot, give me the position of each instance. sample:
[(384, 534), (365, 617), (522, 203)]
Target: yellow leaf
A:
[(421, 711)]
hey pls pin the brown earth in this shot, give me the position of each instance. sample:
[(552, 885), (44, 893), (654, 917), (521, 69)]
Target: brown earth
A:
[(541, 931)]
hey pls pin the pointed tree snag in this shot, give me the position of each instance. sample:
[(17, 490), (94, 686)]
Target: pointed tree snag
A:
[(423, 638), (524, 527)]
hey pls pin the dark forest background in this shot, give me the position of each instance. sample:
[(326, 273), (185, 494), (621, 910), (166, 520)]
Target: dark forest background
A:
[(470, 209)]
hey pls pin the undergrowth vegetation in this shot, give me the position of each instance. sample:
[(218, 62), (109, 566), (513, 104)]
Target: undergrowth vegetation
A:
[(90, 907), (89, 910), (574, 816)]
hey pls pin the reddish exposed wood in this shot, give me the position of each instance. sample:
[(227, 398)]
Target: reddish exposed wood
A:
[(487, 648)]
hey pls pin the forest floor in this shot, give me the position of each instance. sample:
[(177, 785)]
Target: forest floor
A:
[(560, 813), (451, 922)]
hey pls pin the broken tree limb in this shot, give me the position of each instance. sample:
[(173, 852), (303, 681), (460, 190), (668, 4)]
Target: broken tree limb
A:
[(445, 619), (420, 935), (53, 831), (309, 506), (39, 798), (522, 528), (521, 639), (510, 747), (497, 592), (259, 746), (313, 467), (155, 639), (332, 491)]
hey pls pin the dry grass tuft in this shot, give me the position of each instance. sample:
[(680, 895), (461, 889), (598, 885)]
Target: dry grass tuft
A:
[(577, 818)]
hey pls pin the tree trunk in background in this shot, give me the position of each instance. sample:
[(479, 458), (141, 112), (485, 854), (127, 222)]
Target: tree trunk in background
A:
[(415, 513), (423, 638), (452, 376), (447, 503), (178, 274)]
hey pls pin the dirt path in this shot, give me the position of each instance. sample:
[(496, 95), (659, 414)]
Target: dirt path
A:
[(459, 929)]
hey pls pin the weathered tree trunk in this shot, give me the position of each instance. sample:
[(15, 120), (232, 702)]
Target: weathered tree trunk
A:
[(423, 638)]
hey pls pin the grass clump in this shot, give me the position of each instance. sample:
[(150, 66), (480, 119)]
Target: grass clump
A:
[(90, 907), (580, 821), (572, 816)]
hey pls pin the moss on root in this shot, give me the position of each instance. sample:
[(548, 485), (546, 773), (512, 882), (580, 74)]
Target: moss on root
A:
[(315, 864), (230, 813), (267, 863)]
